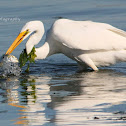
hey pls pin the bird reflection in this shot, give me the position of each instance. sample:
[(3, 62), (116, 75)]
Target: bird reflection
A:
[(44, 99)]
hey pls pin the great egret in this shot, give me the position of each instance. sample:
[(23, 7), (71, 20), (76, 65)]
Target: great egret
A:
[(90, 44)]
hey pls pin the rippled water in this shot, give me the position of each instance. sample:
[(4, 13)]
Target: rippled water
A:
[(53, 93)]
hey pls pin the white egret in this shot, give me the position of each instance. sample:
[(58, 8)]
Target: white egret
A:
[(90, 44)]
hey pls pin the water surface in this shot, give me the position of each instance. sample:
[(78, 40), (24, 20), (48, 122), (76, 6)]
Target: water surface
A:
[(53, 93)]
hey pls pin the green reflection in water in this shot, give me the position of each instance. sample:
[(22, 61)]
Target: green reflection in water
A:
[(29, 88)]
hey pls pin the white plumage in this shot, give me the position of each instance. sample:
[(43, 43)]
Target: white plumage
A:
[(89, 43)]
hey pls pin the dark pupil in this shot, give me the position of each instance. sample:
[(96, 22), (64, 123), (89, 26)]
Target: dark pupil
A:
[(26, 32)]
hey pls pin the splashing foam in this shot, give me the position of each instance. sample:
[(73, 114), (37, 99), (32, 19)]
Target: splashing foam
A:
[(9, 66)]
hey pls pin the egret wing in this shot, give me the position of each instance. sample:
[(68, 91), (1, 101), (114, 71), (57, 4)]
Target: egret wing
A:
[(88, 35)]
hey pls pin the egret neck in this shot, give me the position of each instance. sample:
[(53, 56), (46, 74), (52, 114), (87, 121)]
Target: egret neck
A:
[(43, 51)]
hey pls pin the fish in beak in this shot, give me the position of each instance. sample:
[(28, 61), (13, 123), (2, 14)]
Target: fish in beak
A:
[(17, 41)]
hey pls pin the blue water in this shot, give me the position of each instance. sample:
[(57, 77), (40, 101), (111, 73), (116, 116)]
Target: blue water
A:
[(53, 93)]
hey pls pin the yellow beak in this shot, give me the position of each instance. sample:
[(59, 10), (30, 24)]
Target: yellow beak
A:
[(17, 41)]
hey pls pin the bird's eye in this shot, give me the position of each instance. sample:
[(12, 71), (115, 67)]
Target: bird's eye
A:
[(27, 31)]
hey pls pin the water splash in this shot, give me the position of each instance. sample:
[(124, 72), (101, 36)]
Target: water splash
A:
[(9, 66)]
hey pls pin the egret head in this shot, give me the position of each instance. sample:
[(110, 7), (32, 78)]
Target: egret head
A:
[(29, 28)]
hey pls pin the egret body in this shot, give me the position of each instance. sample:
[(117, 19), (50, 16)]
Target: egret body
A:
[(90, 44)]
